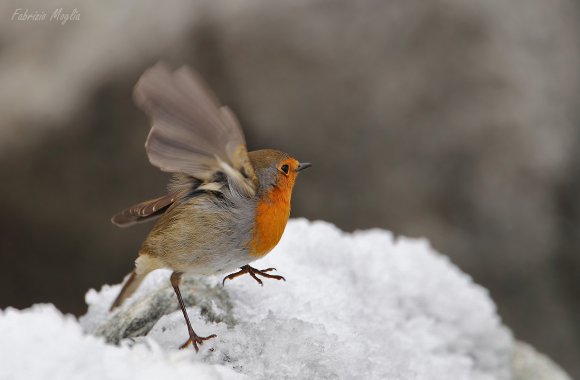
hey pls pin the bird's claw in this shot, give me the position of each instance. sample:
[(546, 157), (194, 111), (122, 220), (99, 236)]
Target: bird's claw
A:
[(254, 273), (195, 339)]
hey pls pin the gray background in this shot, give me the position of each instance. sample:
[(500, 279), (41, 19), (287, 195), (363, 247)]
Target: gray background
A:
[(451, 120)]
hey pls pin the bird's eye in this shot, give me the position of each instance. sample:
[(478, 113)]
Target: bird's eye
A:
[(284, 169)]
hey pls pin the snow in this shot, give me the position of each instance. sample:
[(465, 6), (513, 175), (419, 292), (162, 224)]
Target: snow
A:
[(41, 343), (362, 305)]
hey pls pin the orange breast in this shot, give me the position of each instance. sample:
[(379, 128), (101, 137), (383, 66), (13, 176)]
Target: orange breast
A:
[(271, 217)]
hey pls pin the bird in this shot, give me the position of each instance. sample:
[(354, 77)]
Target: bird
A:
[(225, 207)]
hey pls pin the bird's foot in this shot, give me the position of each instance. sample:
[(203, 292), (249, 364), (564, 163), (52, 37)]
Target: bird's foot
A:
[(195, 339), (254, 273)]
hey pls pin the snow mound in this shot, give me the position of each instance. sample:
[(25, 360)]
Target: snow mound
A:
[(362, 305), (42, 343)]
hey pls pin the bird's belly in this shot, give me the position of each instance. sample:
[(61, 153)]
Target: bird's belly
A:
[(206, 240), (210, 260)]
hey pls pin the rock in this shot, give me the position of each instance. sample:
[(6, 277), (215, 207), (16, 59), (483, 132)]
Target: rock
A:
[(138, 318), (529, 364)]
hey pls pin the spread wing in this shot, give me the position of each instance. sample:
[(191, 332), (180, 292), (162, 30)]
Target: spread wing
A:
[(191, 132), (193, 136)]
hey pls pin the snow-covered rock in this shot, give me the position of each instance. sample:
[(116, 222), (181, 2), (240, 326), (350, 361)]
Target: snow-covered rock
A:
[(363, 305)]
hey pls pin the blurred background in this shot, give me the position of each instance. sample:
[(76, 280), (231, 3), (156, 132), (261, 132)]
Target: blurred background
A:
[(452, 120)]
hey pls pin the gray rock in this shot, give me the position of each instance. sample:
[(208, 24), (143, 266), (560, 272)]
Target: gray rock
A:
[(138, 318), (529, 364)]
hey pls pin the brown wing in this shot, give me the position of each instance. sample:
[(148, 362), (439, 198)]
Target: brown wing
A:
[(191, 133), (192, 136), (143, 212)]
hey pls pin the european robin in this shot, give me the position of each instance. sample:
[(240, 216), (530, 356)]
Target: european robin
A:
[(224, 207)]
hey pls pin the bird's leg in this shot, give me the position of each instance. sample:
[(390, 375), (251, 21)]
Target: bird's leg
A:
[(254, 273), (193, 337)]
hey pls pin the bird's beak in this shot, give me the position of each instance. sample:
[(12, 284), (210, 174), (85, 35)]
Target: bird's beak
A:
[(303, 165)]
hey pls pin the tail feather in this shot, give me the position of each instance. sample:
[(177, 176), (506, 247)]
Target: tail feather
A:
[(143, 265), (129, 288)]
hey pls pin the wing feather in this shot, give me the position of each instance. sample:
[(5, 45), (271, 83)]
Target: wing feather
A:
[(143, 212), (191, 132)]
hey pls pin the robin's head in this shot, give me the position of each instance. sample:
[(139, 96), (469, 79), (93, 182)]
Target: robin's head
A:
[(275, 169)]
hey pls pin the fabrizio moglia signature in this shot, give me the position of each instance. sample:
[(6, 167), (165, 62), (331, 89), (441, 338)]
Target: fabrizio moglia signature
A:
[(59, 15)]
